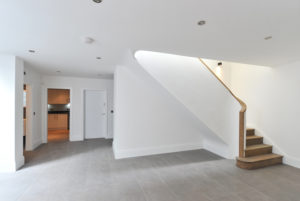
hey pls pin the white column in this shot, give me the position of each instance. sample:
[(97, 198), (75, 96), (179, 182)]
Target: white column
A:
[(11, 113)]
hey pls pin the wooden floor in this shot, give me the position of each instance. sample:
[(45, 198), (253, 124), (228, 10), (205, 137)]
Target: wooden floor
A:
[(87, 171), (58, 135)]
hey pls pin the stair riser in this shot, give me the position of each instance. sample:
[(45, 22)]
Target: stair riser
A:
[(250, 132), (256, 152), (254, 141), (260, 164)]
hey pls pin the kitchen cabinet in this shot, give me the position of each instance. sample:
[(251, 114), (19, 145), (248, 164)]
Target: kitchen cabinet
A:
[(58, 96), (57, 121)]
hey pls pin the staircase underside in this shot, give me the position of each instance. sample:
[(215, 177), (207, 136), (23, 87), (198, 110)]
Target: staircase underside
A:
[(257, 154)]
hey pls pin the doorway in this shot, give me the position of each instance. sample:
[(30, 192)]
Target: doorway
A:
[(58, 115), (25, 117), (28, 116), (95, 114)]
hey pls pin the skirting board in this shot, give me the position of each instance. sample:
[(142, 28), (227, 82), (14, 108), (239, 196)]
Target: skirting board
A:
[(82, 139), (76, 138), (36, 144), (291, 161), (128, 153), (7, 166), (20, 162), (218, 148)]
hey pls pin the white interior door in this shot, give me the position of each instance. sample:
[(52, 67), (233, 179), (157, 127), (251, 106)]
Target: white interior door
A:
[(95, 114)]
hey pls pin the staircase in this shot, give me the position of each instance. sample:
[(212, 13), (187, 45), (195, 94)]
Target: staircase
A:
[(169, 69), (257, 154)]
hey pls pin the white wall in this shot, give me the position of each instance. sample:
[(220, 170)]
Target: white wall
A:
[(192, 84), (19, 82), (11, 117), (149, 120), (223, 71), (77, 86), (272, 96), (34, 124)]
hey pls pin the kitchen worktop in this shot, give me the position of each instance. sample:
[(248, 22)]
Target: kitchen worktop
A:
[(58, 112)]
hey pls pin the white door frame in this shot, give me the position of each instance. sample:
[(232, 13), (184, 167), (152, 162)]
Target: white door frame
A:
[(83, 108), (45, 111), (29, 119)]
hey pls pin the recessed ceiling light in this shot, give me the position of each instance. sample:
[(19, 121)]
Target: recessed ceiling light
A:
[(97, 1), (98, 58), (268, 38), (31, 51), (87, 40), (58, 71), (201, 22)]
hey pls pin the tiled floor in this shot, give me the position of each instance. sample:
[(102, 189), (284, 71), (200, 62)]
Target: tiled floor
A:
[(87, 171)]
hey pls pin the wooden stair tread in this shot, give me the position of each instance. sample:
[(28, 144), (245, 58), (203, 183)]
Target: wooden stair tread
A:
[(250, 131), (259, 158), (250, 137), (253, 140), (257, 146)]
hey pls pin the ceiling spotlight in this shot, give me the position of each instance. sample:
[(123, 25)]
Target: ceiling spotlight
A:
[(268, 38), (97, 1), (87, 40), (202, 22), (98, 58), (31, 51)]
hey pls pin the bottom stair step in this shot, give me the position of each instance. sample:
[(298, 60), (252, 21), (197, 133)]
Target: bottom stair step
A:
[(260, 161)]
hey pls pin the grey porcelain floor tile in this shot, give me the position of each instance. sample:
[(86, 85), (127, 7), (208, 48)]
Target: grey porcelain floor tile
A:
[(87, 171), (157, 191), (254, 195), (230, 198)]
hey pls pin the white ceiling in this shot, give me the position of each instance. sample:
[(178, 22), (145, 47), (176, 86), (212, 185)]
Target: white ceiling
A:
[(235, 31)]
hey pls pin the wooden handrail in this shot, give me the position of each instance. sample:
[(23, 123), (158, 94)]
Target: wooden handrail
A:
[(241, 114)]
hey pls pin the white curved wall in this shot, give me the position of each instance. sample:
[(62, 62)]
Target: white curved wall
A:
[(148, 120), (189, 81), (272, 96)]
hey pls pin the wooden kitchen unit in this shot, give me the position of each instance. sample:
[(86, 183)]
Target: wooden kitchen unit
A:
[(58, 114), (58, 121), (58, 96)]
